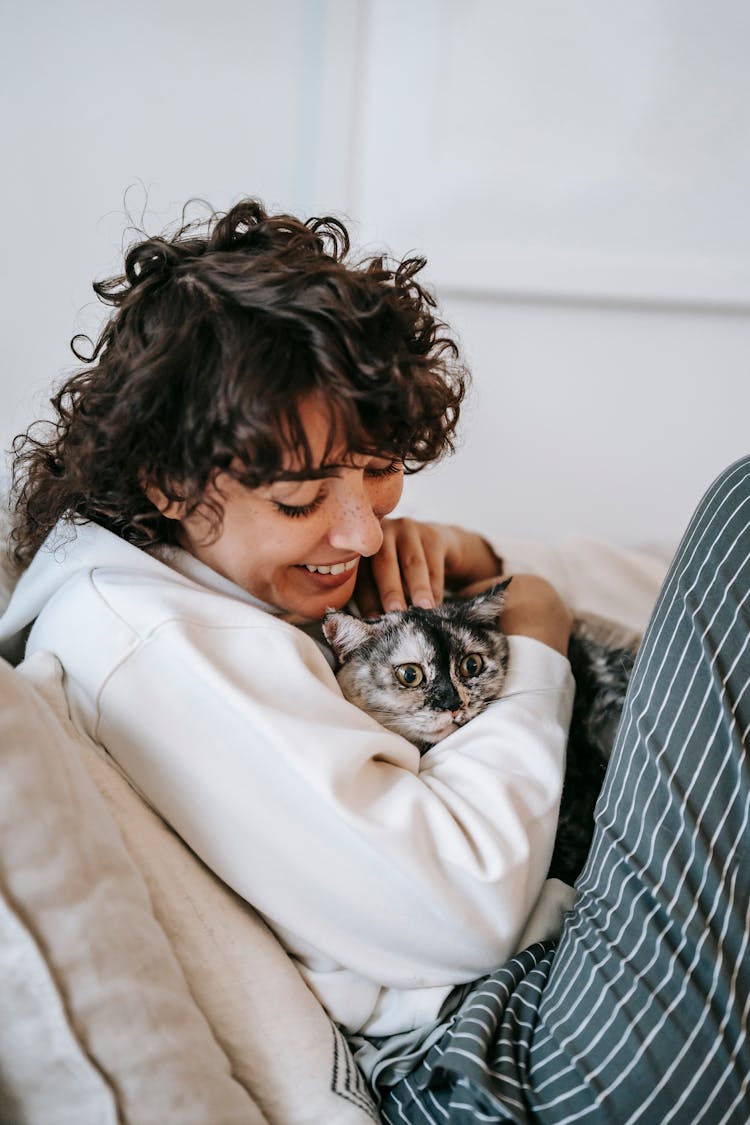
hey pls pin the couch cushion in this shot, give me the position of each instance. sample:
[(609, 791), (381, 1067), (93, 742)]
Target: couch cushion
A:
[(101, 981), (35, 1027), (282, 1046)]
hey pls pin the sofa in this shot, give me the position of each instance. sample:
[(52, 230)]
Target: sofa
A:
[(136, 986)]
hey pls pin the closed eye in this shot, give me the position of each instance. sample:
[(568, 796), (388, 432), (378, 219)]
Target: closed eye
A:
[(296, 510), (384, 471)]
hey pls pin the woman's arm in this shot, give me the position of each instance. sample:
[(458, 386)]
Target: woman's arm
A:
[(419, 560), (413, 873)]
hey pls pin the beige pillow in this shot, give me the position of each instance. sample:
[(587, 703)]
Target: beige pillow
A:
[(103, 983), (37, 1038), (281, 1044)]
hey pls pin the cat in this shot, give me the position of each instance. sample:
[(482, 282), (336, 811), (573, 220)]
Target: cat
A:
[(424, 673)]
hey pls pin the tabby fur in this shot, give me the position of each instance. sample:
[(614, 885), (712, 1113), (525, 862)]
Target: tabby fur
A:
[(425, 673)]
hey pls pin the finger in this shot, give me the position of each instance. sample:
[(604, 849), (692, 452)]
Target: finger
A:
[(386, 573), (420, 564), (422, 558), (366, 593), (434, 549)]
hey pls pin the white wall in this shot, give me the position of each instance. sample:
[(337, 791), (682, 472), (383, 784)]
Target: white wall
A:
[(577, 174), (595, 421), (110, 109)]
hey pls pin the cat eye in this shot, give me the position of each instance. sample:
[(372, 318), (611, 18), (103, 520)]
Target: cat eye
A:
[(409, 675), (471, 665)]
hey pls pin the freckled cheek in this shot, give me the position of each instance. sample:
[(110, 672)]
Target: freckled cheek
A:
[(254, 548), (292, 544), (385, 497)]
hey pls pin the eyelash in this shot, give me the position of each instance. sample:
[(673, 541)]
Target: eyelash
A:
[(294, 511), (394, 467)]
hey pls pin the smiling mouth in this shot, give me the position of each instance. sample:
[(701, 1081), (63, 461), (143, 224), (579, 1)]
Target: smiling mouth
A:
[(335, 568)]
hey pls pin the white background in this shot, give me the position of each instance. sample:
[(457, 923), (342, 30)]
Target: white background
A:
[(577, 174)]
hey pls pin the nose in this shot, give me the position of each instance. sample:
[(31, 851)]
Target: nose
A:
[(446, 698), (354, 526)]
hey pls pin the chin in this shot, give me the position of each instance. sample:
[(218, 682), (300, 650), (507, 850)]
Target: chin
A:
[(336, 601), (316, 608), (298, 597)]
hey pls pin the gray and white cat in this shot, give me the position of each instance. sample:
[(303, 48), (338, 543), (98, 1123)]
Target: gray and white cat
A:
[(425, 673)]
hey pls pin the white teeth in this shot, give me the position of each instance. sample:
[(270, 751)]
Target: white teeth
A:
[(336, 568)]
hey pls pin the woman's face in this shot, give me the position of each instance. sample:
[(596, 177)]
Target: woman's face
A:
[(297, 544)]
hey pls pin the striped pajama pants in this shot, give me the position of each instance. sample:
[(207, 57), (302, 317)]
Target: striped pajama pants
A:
[(641, 1012)]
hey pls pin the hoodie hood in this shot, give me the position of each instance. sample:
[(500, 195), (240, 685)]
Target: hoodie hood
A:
[(74, 550)]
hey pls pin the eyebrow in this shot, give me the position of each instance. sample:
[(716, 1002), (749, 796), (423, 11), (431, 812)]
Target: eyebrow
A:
[(322, 472)]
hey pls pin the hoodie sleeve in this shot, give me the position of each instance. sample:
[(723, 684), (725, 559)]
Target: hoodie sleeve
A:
[(414, 872)]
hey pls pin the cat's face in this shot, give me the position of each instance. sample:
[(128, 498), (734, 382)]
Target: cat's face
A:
[(423, 673)]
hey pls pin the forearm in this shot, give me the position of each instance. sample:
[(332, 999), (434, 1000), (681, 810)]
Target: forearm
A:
[(438, 861), (469, 557)]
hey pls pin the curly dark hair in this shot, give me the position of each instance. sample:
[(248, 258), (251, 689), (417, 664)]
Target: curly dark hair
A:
[(218, 332)]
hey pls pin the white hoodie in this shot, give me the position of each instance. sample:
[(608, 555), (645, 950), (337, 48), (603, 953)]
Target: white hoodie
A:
[(388, 877)]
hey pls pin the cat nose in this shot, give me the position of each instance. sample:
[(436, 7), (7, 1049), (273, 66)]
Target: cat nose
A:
[(448, 699)]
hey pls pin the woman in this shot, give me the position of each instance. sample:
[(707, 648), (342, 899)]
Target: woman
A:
[(218, 476)]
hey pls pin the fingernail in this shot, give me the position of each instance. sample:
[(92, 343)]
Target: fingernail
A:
[(425, 603), (391, 605)]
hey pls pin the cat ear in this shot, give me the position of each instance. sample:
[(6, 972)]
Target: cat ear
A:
[(345, 633), (485, 608)]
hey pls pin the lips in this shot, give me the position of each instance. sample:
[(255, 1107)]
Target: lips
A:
[(334, 568), (329, 575)]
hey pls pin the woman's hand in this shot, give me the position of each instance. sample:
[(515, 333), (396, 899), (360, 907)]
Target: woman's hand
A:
[(417, 561)]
